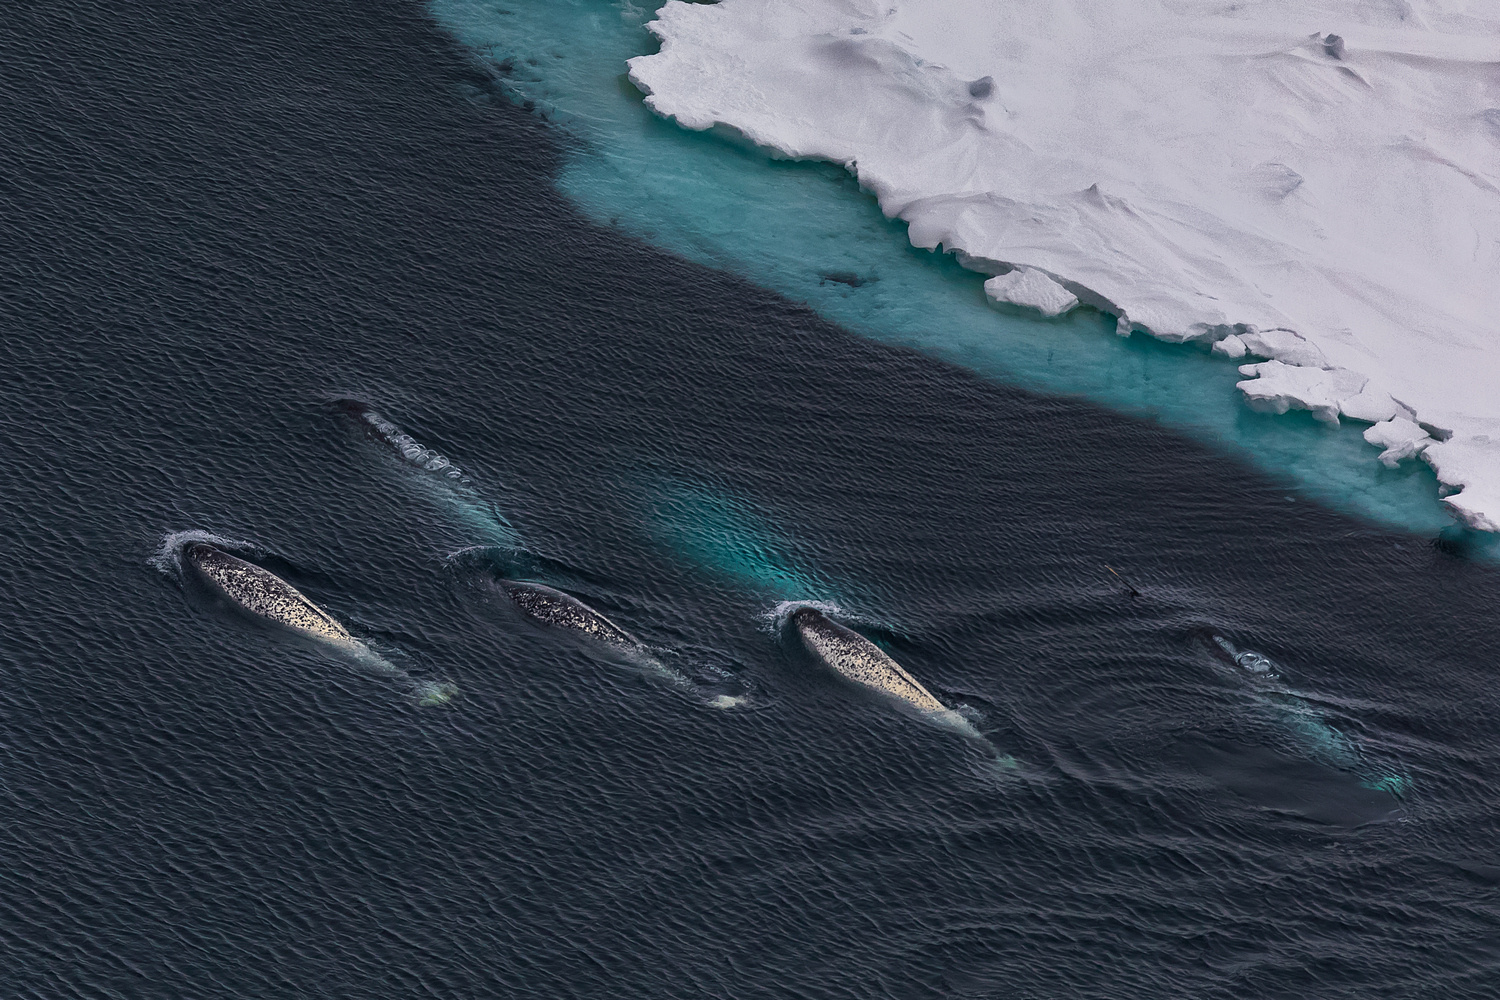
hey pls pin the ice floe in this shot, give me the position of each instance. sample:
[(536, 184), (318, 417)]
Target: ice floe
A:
[(1400, 437), (1316, 184), (1031, 289)]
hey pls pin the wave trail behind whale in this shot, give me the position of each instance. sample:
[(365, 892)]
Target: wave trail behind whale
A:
[(403, 445), (451, 487)]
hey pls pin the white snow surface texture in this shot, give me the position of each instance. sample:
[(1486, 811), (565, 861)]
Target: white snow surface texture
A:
[(1319, 180)]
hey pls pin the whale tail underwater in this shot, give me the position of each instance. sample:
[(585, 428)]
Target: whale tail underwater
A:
[(268, 597)]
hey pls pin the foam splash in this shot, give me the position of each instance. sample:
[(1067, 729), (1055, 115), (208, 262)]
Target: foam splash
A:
[(168, 557), (775, 618), (433, 693)]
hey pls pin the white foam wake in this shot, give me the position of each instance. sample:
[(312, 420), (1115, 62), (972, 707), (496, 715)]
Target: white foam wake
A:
[(1312, 182)]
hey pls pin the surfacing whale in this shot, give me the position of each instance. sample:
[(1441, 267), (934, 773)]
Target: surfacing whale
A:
[(263, 593), (553, 607), (266, 595), (407, 448), (557, 609), (1302, 719), (847, 652)]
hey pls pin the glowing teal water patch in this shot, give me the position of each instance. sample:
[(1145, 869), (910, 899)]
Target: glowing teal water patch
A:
[(723, 535), (806, 231)]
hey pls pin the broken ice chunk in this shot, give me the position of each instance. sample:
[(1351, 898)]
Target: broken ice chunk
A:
[(1280, 387), (1031, 289), (1230, 347), (1284, 345), (1400, 437), (1373, 405)]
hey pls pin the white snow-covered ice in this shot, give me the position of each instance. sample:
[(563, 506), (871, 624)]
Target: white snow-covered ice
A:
[(1313, 183), (1030, 289)]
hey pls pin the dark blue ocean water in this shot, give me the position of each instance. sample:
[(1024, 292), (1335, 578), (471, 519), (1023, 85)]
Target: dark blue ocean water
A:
[(221, 219)]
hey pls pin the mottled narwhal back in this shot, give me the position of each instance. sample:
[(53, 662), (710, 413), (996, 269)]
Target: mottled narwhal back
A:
[(260, 592), (553, 607), (860, 660), (266, 595)]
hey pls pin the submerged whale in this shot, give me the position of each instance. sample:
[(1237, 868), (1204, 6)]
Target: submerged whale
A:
[(266, 595), (553, 607), (1300, 717), (857, 658)]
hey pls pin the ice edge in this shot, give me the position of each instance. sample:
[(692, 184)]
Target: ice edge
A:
[(859, 84)]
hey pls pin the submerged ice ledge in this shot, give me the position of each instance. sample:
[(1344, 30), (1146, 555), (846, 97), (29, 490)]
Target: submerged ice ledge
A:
[(1311, 183)]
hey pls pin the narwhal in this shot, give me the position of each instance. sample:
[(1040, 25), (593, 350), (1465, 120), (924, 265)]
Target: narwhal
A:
[(407, 448), (441, 481), (852, 655), (553, 607), (857, 659), (1300, 716), (267, 596)]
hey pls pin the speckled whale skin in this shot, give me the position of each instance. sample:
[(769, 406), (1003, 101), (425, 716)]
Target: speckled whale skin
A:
[(553, 607), (860, 660), (263, 593)]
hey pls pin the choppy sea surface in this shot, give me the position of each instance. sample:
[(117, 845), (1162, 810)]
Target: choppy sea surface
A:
[(1231, 742)]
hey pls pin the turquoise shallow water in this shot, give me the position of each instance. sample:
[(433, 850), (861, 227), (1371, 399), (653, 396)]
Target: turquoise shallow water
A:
[(806, 231)]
